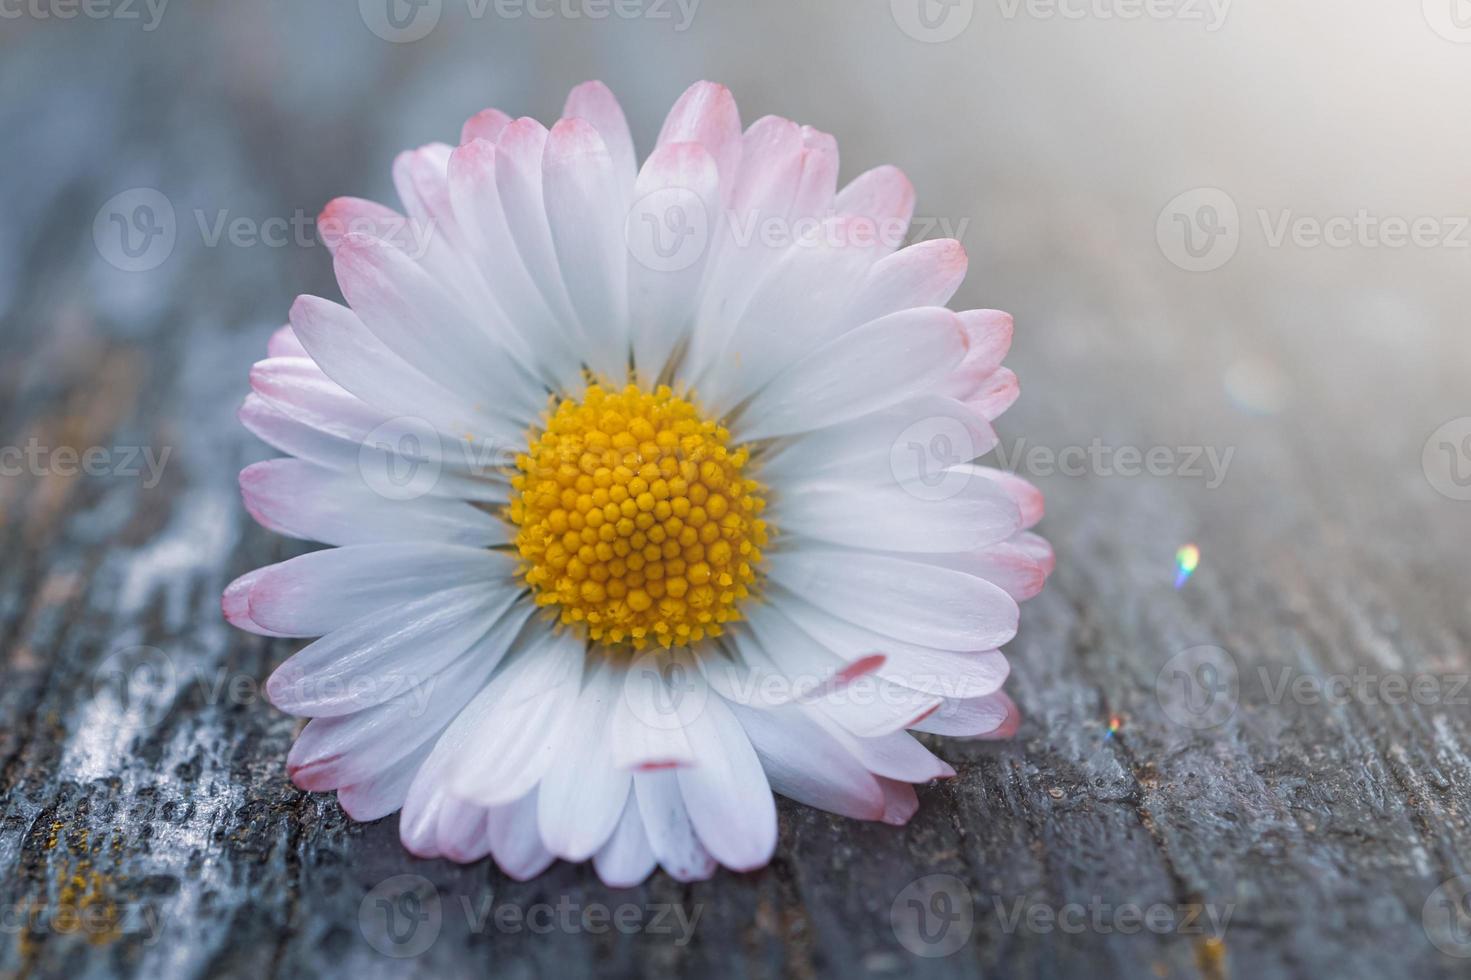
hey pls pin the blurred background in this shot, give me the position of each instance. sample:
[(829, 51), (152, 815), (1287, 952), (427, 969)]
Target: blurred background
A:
[(1236, 232)]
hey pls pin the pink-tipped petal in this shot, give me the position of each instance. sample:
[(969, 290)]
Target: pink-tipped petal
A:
[(595, 103), (285, 343), (885, 197), (805, 763), (818, 185), (880, 592), (586, 220), (235, 603), (988, 334), (971, 718), (726, 792), (706, 114), (671, 834), (995, 394), (627, 858), (924, 274), (484, 125), (900, 801)]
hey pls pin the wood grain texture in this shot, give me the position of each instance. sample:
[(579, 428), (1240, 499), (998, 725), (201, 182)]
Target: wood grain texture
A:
[(1317, 830)]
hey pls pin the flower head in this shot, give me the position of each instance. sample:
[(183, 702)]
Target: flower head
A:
[(649, 490)]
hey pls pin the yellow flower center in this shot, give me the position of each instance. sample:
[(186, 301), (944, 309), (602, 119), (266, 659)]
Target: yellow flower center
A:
[(635, 519)]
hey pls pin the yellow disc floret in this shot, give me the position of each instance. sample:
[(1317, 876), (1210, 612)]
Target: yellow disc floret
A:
[(635, 518)]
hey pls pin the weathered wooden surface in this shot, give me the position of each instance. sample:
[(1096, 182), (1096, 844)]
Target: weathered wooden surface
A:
[(1320, 829)]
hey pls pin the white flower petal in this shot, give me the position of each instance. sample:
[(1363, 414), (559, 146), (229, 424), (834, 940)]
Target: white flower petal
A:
[(429, 328), (671, 834), (647, 730), (679, 184), (285, 343), (275, 426), (922, 604), (584, 213), (885, 197), (970, 718), (868, 369), (396, 650), (794, 310), (924, 274), (315, 594), (914, 440), (894, 518), (353, 357), (898, 755), (583, 793), (235, 604), (518, 724), (484, 125), (460, 831), (306, 501), (805, 763), (941, 672), (383, 792), (706, 114), (476, 196), (593, 102), (518, 169), (340, 751), (514, 840), (627, 858), (726, 793)]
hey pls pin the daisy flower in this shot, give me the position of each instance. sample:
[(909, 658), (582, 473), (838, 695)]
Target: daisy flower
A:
[(649, 494)]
